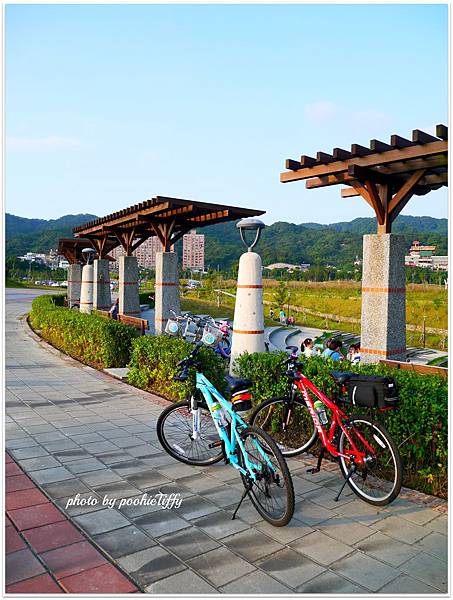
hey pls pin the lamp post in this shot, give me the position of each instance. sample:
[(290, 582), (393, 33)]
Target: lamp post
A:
[(248, 325)]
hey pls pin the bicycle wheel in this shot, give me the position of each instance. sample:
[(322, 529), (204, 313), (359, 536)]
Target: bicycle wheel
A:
[(272, 494), (294, 432), (378, 481), (175, 433)]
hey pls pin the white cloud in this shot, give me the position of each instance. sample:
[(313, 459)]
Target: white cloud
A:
[(51, 142), (321, 111)]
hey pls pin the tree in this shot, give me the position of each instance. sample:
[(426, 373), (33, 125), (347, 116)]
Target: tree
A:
[(281, 294)]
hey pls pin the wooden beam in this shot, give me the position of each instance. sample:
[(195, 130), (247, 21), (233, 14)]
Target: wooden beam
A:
[(442, 132), (340, 154), (405, 192), (399, 142), (364, 174), (140, 241), (324, 158), (362, 191), (378, 146), (385, 194), (376, 201), (386, 158), (358, 150), (222, 214), (326, 180), (349, 192), (292, 165), (420, 137), (307, 161)]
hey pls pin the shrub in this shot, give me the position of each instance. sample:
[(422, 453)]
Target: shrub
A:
[(145, 298), (153, 366), (89, 338), (419, 426)]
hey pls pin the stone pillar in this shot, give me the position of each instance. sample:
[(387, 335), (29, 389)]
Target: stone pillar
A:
[(383, 298), (166, 289), (102, 297), (248, 325), (86, 291), (74, 284), (129, 300)]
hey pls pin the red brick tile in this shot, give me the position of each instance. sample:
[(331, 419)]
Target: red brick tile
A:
[(22, 565), (18, 482), (35, 516), (12, 469), (7, 522), (42, 584), (69, 560), (24, 498), (52, 536), (13, 541), (8, 458), (101, 580)]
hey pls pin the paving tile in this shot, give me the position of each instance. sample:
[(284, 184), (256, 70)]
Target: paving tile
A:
[(35, 516), (61, 489), (52, 536), (52, 475), (247, 512), (25, 442), (290, 567), (145, 481), (29, 452), (219, 524), (255, 583), (85, 465), (71, 559), (99, 478), (220, 566), (401, 529), (387, 549), (196, 506), (293, 531), (105, 579), (86, 438), (60, 444), (417, 514), (98, 447), (65, 456), (312, 514), (251, 544), (150, 565), (38, 463), (127, 541), (101, 521), (186, 581), (222, 496), (117, 489), (161, 522), (407, 585), (24, 498), (21, 565), (361, 512), (188, 543), (12, 469), (434, 543), (13, 540), (429, 569), (330, 583), (439, 524), (41, 584), (321, 548), (365, 571), (344, 530)]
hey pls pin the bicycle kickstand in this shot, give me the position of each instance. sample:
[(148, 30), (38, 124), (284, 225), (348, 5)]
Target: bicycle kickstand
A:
[(247, 490), (351, 471), (318, 465)]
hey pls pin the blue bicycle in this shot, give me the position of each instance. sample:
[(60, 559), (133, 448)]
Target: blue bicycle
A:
[(206, 428)]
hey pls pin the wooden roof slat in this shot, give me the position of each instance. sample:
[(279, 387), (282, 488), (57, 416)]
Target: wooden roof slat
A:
[(324, 158), (307, 161), (358, 150), (378, 146), (399, 142), (420, 137), (442, 132), (292, 165), (340, 154)]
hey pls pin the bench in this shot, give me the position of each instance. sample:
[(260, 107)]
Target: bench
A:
[(141, 324), (105, 314)]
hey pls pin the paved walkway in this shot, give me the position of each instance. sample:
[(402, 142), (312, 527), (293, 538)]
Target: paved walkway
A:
[(76, 431)]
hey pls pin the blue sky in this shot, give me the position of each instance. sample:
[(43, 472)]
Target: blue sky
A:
[(107, 105)]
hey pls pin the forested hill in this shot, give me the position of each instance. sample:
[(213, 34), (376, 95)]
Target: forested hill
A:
[(336, 244)]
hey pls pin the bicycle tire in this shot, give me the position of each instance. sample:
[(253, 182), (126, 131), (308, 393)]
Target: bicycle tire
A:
[(265, 422), (284, 516), (379, 481), (175, 448)]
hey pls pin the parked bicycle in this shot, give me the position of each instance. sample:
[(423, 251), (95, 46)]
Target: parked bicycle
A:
[(369, 458), (207, 427)]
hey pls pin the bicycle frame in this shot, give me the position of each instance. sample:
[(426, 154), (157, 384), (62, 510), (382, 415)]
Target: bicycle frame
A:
[(213, 397), (338, 419)]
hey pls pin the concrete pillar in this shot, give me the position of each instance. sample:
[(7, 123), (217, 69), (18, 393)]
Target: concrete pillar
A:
[(167, 289), (383, 298), (86, 291), (74, 284), (102, 297), (129, 300), (248, 325)]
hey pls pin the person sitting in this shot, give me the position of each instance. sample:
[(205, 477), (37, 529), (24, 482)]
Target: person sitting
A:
[(290, 321), (271, 314), (354, 354), (333, 350), (308, 348), (114, 309)]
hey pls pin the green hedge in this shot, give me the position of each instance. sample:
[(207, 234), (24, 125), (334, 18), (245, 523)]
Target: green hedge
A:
[(145, 298), (153, 366), (95, 341), (419, 426)]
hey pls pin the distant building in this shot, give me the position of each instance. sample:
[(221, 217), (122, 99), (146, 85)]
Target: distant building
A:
[(193, 250), (289, 267), (424, 257), (145, 253), (416, 248)]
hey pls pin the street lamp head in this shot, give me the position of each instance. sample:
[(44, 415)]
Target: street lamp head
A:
[(88, 255), (250, 224)]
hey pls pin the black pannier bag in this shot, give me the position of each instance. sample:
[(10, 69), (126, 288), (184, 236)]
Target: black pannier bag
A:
[(372, 391)]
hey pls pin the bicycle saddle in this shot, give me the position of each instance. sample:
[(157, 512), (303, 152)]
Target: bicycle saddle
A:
[(341, 377), (236, 385)]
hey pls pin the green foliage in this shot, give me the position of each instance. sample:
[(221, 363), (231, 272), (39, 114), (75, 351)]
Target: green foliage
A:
[(419, 426), (91, 339), (281, 295), (153, 366), (145, 298)]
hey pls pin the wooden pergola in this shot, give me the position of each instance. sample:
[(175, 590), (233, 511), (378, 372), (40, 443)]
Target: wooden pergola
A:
[(71, 249), (167, 218), (385, 175)]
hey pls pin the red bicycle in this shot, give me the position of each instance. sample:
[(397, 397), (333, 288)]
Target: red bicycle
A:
[(369, 458)]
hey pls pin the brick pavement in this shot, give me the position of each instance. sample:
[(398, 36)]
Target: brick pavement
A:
[(74, 430)]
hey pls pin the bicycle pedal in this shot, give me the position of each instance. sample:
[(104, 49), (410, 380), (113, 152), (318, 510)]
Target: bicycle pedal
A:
[(215, 444), (313, 470)]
